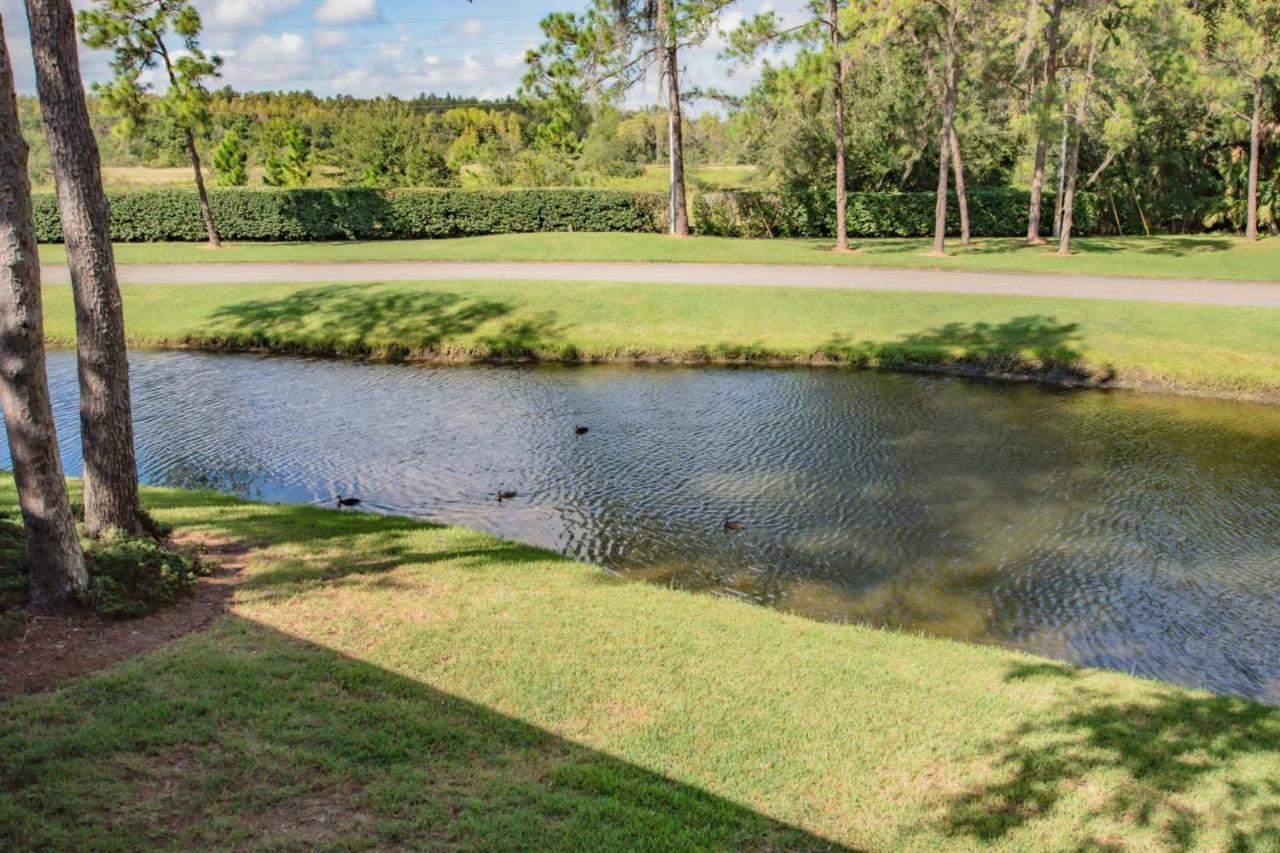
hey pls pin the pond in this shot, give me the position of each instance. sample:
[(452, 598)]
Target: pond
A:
[(1123, 530)]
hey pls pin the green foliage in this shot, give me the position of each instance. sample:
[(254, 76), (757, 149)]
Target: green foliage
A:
[(292, 166), (230, 161), (136, 32), (14, 579), (360, 213), (992, 213), (131, 576)]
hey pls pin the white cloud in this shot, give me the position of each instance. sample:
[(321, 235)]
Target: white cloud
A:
[(244, 13), (329, 39), (479, 74), (270, 60), (346, 11), (471, 28)]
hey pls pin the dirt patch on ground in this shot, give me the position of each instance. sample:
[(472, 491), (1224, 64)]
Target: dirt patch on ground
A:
[(52, 649)]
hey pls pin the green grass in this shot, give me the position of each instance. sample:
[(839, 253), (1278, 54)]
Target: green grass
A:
[(381, 682), (1204, 256), (1212, 349)]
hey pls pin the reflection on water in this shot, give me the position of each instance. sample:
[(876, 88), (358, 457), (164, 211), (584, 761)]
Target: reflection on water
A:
[(1121, 530)]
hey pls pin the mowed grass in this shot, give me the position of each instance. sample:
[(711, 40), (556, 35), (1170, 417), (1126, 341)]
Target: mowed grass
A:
[(1222, 350), (382, 682), (1190, 257)]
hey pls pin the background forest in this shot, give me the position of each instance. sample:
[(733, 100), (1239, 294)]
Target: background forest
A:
[(1163, 144)]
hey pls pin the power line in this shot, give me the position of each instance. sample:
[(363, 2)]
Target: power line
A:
[(380, 49), (352, 24)]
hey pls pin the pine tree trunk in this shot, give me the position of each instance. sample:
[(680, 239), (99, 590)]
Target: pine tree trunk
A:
[(679, 207), (106, 424), (944, 137), (837, 99), (1255, 125), (1073, 158), (957, 165), (54, 558), (1042, 131), (215, 242)]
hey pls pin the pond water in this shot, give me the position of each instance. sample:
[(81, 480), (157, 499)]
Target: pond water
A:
[(1122, 530)]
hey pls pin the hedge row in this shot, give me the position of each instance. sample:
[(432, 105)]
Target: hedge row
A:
[(368, 214), (992, 213), (364, 214)]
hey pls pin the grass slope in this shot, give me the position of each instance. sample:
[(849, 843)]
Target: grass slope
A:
[(390, 683), (1213, 349), (1203, 256)]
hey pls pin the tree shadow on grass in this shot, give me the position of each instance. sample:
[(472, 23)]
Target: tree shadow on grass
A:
[(1032, 346), (1149, 760), (248, 737), (368, 320)]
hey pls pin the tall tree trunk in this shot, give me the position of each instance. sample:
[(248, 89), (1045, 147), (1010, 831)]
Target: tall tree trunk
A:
[(1255, 125), (53, 548), (957, 164), (1073, 159), (1050, 91), (944, 138), (837, 99), (671, 67), (215, 242), (106, 422)]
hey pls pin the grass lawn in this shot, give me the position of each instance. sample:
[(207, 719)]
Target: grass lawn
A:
[(1204, 256), (1204, 348), (385, 682)]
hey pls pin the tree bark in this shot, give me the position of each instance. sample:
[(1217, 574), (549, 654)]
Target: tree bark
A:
[(106, 424), (54, 558), (1255, 125), (957, 164), (1050, 90), (675, 131), (215, 242), (944, 138), (1073, 159), (837, 98)]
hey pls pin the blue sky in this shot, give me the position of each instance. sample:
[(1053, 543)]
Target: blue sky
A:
[(374, 47)]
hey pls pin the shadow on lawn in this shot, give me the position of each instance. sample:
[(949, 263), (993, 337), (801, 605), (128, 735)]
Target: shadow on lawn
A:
[(1177, 247), (1033, 345), (365, 320), (1161, 749), (258, 739)]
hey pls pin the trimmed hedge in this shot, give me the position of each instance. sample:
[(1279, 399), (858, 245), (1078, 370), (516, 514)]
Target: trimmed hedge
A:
[(996, 212), (354, 213)]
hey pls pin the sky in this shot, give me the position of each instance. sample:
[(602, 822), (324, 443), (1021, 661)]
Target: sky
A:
[(401, 47)]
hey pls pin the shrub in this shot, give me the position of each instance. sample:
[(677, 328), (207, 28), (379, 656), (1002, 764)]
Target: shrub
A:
[(995, 212), (132, 576), (365, 213)]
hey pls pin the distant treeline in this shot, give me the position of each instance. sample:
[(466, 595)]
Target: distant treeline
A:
[(429, 140)]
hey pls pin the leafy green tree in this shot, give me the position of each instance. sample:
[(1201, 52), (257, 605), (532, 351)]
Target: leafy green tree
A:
[(290, 167), (823, 25), (136, 32), (1244, 40), (390, 145), (231, 161), (560, 78), (615, 44), (1047, 17)]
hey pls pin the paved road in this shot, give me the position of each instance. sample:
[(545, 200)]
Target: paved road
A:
[(848, 278)]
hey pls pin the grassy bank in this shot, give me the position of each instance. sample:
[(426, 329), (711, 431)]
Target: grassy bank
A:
[(1209, 349), (385, 682), (1204, 256)]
